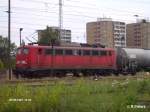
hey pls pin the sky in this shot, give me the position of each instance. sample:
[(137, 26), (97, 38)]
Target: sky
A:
[(32, 15)]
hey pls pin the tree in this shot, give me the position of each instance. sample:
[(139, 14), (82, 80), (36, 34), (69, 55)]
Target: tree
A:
[(4, 51), (49, 36), (1, 65)]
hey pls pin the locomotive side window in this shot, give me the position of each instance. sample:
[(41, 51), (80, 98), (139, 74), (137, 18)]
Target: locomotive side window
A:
[(48, 51), (68, 52), (76, 52), (58, 52), (25, 51), (86, 52), (103, 53), (94, 53)]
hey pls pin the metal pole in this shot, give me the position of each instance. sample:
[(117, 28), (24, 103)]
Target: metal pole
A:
[(20, 35), (52, 60), (9, 37), (60, 18)]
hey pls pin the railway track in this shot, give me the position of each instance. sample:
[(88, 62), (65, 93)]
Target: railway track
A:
[(69, 80)]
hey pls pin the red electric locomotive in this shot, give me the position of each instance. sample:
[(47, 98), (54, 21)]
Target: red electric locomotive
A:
[(34, 60)]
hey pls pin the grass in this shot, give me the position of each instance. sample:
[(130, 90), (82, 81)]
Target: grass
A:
[(83, 96)]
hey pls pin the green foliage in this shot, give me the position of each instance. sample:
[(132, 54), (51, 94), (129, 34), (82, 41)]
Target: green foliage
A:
[(4, 51), (82, 96), (49, 37), (47, 99), (144, 87), (1, 65)]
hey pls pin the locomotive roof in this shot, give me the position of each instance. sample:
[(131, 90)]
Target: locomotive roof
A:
[(64, 47)]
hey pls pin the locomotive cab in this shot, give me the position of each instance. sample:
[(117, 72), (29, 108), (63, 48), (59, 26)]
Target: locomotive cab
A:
[(22, 57), (22, 60)]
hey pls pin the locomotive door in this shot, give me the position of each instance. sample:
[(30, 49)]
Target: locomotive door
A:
[(40, 58), (110, 58)]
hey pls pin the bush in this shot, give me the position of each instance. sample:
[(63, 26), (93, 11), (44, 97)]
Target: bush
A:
[(144, 87), (1, 65), (82, 96), (4, 64)]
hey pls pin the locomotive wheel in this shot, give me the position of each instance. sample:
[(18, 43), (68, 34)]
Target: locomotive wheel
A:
[(78, 74), (58, 74), (133, 73)]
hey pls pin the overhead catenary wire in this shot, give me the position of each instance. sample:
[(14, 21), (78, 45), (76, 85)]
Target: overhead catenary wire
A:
[(43, 10), (33, 35), (76, 6), (84, 7), (29, 39), (17, 11), (66, 14)]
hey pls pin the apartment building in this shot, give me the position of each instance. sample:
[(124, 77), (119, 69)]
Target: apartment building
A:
[(138, 34), (65, 34), (106, 32)]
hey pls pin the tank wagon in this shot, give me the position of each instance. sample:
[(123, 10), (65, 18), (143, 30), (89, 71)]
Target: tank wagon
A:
[(132, 59)]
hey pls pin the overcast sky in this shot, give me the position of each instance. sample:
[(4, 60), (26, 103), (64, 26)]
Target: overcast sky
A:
[(32, 15)]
